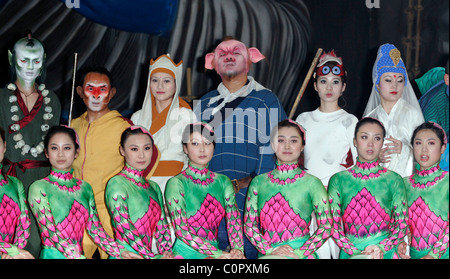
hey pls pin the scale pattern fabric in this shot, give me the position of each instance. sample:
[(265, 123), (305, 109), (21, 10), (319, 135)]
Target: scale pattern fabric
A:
[(368, 205), (136, 207), (14, 218), (428, 196), (198, 200), (278, 211), (64, 207)]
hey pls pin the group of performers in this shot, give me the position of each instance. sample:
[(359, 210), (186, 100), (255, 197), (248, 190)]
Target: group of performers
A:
[(232, 178)]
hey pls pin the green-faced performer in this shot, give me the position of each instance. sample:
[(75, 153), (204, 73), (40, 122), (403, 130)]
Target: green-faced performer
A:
[(28, 110)]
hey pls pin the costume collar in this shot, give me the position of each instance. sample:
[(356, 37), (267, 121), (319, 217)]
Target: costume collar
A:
[(64, 180), (426, 178), (367, 170), (134, 175), (285, 173), (198, 175)]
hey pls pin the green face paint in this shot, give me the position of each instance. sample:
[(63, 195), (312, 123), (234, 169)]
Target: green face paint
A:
[(28, 62)]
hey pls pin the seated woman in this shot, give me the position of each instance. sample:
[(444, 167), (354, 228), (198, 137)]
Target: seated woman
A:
[(199, 199), (64, 206), (280, 203), (14, 219), (368, 201), (136, 204), (428, 193)]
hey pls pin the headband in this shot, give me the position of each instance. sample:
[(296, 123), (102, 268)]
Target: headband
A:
[(143, 130), (440, 127), (204, 124), (323, 70), (300, 127), (77, 140)]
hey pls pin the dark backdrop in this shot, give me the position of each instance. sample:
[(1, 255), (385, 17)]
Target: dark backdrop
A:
[(288, 32)]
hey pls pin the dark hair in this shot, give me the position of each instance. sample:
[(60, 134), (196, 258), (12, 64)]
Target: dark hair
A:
[(2, 134), (331, 64), (290, 124), (61, 130), (83, 72), (429, 126), (129, 132), (369, 120), (201, 128)]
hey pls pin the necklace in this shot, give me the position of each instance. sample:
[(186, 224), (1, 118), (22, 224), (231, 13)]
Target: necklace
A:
[(18, 137)]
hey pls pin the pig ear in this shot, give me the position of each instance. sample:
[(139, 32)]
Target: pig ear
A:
[(209, 59), (255, 55)]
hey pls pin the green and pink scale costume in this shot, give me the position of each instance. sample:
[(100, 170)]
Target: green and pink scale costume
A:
[(198, 199), (136, 206), (64, 207), (278, 211), (14, 218), (428, 195), (369, 207)]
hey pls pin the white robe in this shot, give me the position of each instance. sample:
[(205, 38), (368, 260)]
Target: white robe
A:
[(400, 124), (329, 137)]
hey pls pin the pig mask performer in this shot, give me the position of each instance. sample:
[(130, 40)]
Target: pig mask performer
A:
[(242, 113)]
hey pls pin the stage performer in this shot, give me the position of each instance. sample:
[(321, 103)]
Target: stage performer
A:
[(165, 115), (368, 201), (428, 193), (199, 199), (242, 113), (14, 218), (27, 111), (136, 204), (99, 129), (329, 130), (280, 203), (435, 107), (64, 206), (394, 103)]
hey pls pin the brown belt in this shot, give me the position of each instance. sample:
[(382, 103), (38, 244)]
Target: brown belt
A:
[(242, 183)]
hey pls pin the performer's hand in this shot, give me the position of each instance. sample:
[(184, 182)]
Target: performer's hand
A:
[(393, 147), (237, 254), (23, 254), (402, 250), (427, 257), (167, 255), (373, 251), (284, 251), (225, 255), (130, 255)]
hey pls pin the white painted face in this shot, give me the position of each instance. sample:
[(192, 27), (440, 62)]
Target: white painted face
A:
[(28, 62)]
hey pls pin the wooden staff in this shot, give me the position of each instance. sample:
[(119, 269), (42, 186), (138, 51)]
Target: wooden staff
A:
[(305, 82), (73, 86)]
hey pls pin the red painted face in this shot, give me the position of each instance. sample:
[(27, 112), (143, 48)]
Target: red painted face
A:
[(96, 91)]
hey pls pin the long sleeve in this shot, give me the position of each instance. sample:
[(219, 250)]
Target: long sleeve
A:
[(162, 234), (234, 225), (399, 216), (338, 233), (98, 234), (441, 245), (23, 225), (321, 205), (251, 220), (38, 199), (175, 200), (117, 201)]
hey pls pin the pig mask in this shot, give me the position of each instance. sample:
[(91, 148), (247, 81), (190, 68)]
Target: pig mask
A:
[(232, 58)]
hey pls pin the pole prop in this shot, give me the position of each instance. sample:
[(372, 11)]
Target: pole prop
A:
[(73, 86), (305, 82)]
